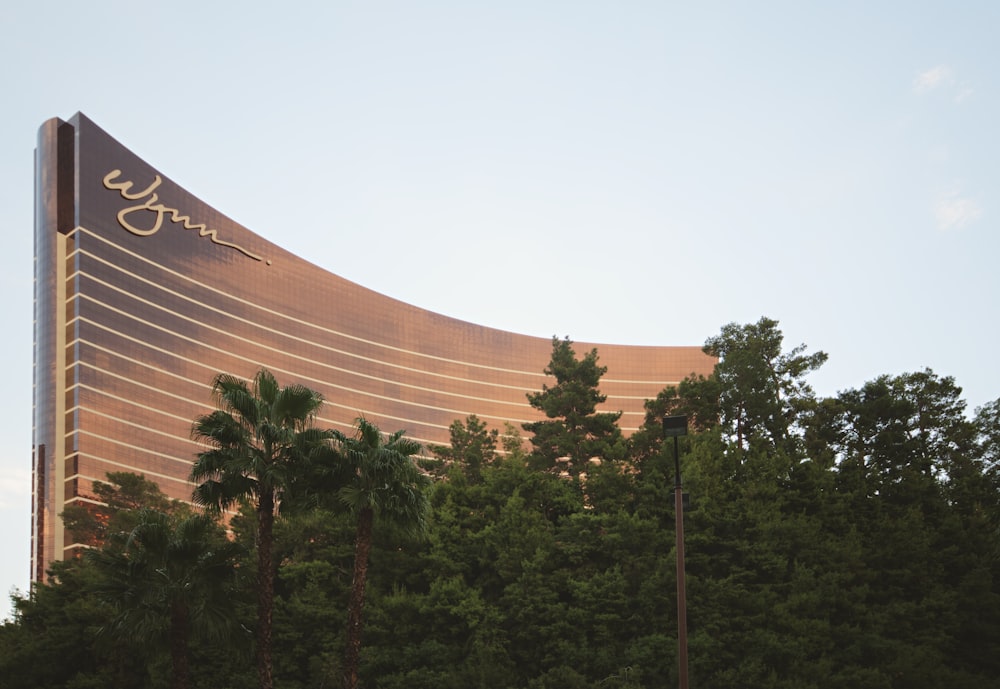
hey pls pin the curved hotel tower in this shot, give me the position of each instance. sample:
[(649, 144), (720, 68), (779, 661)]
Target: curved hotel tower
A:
[(143, 293)]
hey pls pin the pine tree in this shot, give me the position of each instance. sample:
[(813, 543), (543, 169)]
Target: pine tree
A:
[(575, 432)]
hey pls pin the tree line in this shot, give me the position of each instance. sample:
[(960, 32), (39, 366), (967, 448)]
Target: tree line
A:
[(847, 541)]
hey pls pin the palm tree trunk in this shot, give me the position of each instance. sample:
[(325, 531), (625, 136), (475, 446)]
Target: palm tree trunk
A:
[(179, 630), (362, 549), (265, 588)]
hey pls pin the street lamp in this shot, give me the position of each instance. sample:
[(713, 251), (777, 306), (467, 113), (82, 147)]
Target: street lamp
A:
[(674, 427)]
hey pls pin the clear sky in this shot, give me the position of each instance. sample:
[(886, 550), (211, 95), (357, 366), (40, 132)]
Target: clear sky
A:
[(629, 172)]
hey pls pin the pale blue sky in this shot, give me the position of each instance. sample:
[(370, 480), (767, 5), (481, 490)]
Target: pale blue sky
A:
[(633, 172)]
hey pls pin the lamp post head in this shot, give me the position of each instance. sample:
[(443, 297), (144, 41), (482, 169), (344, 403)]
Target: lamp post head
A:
[(674, 426)]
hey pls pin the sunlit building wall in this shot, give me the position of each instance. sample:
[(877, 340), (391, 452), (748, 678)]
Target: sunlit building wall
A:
[(143, 293)]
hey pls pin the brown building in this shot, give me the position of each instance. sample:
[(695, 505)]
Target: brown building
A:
[(143, 293)]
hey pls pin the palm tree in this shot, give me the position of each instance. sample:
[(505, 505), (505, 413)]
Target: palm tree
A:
[(387, 486), (168, 579), (260, 437)]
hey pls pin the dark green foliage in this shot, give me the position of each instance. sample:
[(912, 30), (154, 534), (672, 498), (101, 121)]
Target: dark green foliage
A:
[(121, 497), (260, 442), (52, 640), (311, 593), (385, 487), (473, 446), (852, 541), (761, 389), (105, 619), (169, 581), (576, 431)]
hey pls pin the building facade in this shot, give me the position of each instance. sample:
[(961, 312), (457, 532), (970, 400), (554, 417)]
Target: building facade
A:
[(143, 293)]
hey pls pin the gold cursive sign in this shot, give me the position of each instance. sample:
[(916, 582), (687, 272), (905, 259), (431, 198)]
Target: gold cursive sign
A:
[(150, 202)]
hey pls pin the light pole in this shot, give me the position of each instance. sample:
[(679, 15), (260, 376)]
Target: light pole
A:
[(674, 427)]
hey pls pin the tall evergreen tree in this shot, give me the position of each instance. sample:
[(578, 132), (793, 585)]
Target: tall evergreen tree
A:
[(472, 447), (988, 434), (761, 388), (117, 502), (575, 432)]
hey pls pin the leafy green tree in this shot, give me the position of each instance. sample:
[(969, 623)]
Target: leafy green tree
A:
[(847, 541), (900, 433), (451, 638), (386, 486), (912, 504), (168, 580), (988, 435), (259, 439), (123, 495), (511, 442), (575, 432), (315, 549), (761, 388), (696, 397), (748, 524), (472, 447), (50, 642)]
